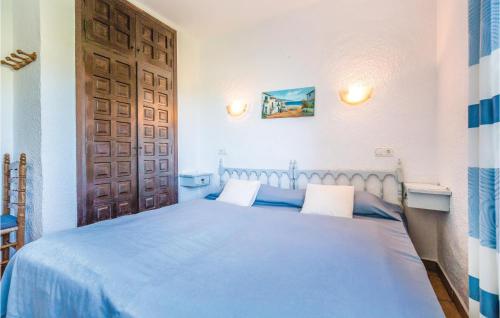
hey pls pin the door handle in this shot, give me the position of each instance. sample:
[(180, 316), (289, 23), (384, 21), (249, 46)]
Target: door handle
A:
[(138, 149)]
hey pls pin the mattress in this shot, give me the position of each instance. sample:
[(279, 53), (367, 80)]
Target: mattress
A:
[(211, 259)]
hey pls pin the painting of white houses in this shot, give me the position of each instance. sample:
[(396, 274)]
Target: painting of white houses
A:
[(297, 102)]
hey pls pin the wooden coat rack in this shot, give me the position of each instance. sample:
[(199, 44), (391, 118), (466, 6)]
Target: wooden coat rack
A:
[(19, 60)]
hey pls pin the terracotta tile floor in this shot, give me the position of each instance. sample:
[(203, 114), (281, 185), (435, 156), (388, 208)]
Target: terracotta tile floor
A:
[(449, 308)]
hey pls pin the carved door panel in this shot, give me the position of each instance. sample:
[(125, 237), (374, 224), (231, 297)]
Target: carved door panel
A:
[(156, 133), (111, 135), (155, 43), (110, 24)]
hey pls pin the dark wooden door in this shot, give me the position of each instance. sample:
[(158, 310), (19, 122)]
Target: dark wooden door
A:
[(111, 110), (156, 115), (111, 135), (126, 111)]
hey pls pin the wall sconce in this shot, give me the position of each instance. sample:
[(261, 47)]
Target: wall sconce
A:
[(356, 94), (236, 108)]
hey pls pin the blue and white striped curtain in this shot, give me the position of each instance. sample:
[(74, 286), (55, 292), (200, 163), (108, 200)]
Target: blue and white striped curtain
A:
[(484, 157)]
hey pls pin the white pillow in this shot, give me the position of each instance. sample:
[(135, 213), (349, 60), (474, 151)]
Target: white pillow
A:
[(333, 200), (240, 192)]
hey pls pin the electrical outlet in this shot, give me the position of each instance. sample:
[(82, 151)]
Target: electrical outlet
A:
[(384, 152), (222, 152)]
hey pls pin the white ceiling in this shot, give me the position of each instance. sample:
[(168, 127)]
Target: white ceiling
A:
[(205, 18)]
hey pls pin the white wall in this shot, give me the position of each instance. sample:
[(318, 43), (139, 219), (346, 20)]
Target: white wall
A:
[(6, 81), (452, 59), (390, 44), (21, 127), (58, 114), (6, 78), (39, 108)]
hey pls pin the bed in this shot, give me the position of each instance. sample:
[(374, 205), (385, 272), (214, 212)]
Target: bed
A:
[(206, 258)]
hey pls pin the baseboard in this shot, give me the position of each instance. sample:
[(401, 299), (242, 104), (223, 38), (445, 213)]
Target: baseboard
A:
[(433, 266)]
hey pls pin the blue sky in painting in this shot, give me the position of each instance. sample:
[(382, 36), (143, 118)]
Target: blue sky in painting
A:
[(296, 94)]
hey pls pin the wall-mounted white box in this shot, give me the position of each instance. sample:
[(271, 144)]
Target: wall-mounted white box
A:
[(384, 152), (195, 180), (427, 196)]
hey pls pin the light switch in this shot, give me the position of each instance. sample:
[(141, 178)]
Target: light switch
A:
[(384, 152)]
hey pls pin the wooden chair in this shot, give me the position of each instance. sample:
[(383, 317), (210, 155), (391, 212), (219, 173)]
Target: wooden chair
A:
[(9, 223)]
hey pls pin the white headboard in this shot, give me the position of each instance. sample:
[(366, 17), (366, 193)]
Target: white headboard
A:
[(280, 178), (386, 184)]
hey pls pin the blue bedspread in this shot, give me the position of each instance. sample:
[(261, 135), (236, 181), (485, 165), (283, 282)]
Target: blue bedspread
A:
[(211, 259)]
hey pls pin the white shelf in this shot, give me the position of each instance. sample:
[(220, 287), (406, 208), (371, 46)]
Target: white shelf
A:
[(427, 196), (195, 179)]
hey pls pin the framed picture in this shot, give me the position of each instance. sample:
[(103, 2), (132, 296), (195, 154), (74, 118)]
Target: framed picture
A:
[(297, 102)]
